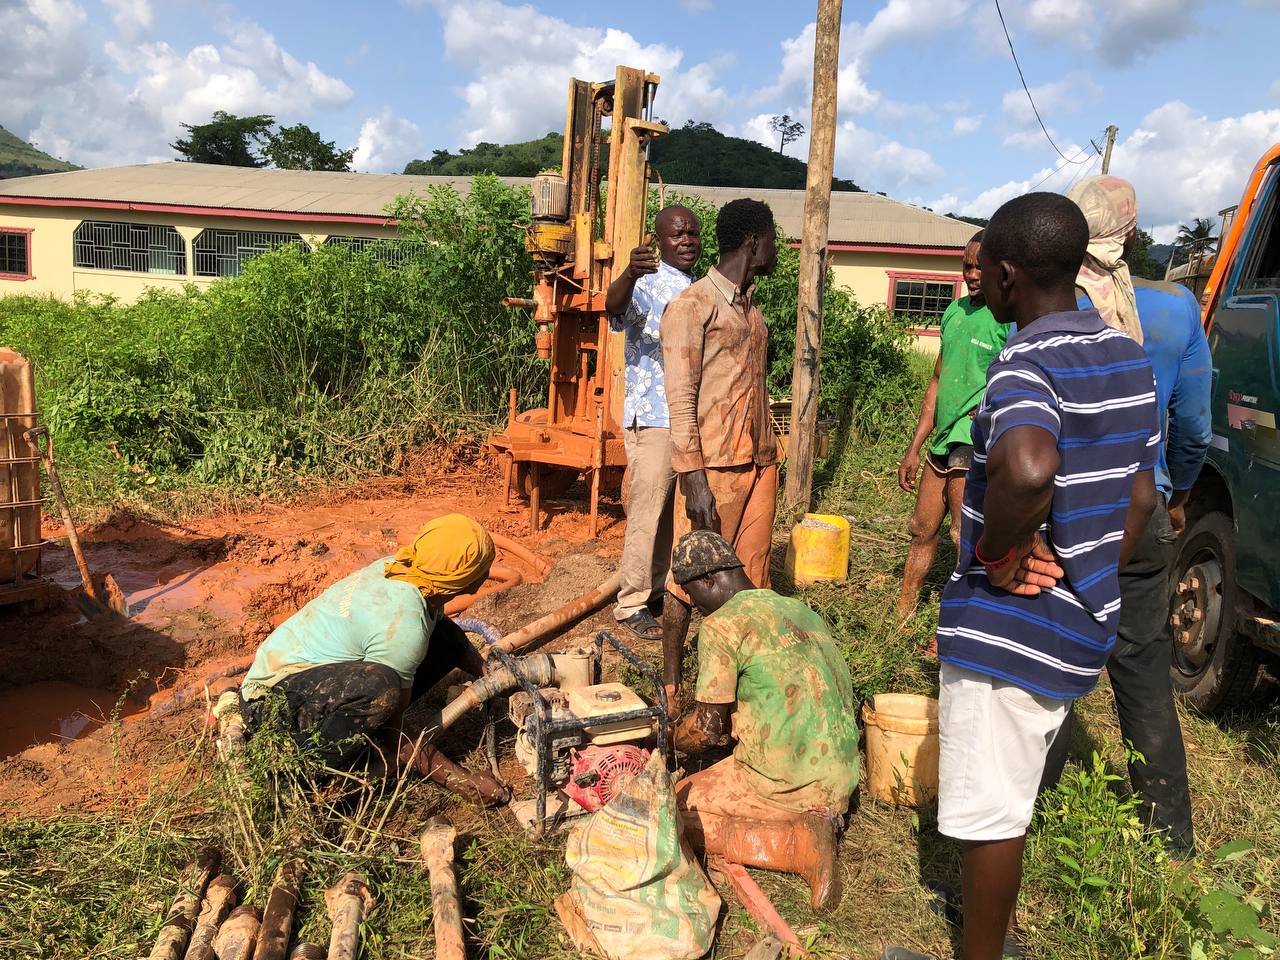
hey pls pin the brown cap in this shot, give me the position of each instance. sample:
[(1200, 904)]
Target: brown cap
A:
[(700, 553)]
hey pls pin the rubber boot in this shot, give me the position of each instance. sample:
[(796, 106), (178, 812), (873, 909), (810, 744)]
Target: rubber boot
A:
[(804, 846), (476, 785)]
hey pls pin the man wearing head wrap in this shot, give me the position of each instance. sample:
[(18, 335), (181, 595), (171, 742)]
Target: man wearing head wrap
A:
[(1165, 319), (348, 663), (1111, 207)]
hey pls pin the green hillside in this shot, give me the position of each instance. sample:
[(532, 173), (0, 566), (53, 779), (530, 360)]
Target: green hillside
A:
[(696, 154), (20, 159)]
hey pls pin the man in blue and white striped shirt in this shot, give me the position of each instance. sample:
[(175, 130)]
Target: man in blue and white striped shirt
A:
[(1060, 489)]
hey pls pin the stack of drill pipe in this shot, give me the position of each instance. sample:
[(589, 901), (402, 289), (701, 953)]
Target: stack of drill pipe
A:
[(172, 942), (348, 901), (238, 934), (277, 918), (19, 481), (218, 902)]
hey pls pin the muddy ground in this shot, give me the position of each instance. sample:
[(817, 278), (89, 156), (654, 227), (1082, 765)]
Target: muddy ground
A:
[(203, 595)]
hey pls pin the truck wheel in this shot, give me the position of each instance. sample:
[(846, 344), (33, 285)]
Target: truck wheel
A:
[(1214, 667)]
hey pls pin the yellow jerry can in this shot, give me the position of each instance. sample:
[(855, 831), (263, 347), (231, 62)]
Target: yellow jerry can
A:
[(819, 549)]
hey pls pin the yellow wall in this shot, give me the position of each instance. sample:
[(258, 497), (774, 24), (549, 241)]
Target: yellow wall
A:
[(52, 264), (867, 274)]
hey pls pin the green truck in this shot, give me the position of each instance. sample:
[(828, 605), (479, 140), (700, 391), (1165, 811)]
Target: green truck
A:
[(1225, 590)]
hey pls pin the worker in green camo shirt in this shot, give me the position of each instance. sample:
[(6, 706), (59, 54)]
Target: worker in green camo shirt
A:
[(970, 339), (772, 663)]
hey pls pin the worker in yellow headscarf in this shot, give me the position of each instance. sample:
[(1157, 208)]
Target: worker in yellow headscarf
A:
[(349, 663)]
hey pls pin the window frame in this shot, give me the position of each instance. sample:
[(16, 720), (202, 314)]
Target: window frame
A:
[(916, 276), (218, 258), (181, 254), (25, 232)]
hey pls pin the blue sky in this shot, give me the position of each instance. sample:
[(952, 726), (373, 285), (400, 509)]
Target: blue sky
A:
[(931, 110)]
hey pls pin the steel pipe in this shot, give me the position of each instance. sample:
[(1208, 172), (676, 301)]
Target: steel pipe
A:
[(543, 626), (172, 941)]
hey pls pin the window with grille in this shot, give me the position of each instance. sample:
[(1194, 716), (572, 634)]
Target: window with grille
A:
[(223, 253), (390, 251), (139, 247), (15, 253), (922, 298)]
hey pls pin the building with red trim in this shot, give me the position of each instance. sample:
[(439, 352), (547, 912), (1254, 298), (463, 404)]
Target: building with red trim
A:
[(119, 230)]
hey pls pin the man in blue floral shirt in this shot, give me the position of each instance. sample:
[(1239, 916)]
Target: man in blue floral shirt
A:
[(635, 301)]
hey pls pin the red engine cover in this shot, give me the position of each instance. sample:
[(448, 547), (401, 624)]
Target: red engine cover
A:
[(597, 773)]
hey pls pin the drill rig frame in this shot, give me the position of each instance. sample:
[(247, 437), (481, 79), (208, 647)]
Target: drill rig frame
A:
[(578, 244)]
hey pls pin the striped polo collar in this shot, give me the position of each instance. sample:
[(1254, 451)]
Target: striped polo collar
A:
[(1067, 321)]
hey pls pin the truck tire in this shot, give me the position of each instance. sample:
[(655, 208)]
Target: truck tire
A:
[(1215, 668)]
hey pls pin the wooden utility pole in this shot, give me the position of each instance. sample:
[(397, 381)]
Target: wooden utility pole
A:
[(802, 442), (1111, 142)]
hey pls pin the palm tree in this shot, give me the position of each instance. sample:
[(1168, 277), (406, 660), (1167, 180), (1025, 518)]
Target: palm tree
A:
[(1200, 229)]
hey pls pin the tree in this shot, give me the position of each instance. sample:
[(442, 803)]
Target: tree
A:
[(226, 140), (1139, 259), (300, 148), (1199, 229), (788, 130)]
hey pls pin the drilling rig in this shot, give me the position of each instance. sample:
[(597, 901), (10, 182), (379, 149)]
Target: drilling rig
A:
[(578, 240)]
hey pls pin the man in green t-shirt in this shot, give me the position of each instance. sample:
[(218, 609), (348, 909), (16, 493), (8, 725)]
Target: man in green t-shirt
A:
[(771, 663), (970, 339)]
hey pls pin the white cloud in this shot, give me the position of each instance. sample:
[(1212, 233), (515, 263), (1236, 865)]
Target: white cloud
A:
[(967, 124), (386, 143), (1121, 31), (909, 21), (519, 59), (124, 102), (133, 18), (1184, 164), (696, 6), (1068, 95), (876, 162)]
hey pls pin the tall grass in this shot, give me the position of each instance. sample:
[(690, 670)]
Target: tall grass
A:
[(333, 364), (329, 363)]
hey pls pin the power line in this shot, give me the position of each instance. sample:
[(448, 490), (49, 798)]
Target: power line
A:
[(1060, 167), (1027, 89)]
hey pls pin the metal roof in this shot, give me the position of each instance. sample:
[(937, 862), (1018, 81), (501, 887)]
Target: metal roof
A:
[(856, 218)]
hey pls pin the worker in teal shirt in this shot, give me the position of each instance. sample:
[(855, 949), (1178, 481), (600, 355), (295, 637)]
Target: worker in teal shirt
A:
[(347, 664)]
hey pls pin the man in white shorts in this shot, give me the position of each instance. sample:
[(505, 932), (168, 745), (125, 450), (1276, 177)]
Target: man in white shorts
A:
[(1064, 447)]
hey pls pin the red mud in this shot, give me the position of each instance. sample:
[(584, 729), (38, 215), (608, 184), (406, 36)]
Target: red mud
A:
[(204, 594)]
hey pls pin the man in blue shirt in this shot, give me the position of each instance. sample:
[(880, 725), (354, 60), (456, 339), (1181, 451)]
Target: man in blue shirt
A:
[(1061, 488), (636, 300), (1172, 335)]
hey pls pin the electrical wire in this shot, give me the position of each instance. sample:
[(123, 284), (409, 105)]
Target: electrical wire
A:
[(1027, 89), (1082, 174), (1059, 168)]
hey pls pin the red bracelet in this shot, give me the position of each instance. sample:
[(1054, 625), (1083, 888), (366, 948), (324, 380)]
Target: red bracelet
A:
[(995, 564)]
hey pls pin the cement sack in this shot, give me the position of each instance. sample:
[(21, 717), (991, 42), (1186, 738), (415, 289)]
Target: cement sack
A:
[(637, 891)]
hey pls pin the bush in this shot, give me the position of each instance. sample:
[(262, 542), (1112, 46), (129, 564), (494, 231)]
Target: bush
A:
[(336, 362), (330, 362)]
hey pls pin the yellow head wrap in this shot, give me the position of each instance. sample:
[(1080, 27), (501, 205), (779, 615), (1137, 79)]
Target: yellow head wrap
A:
[(448, 555)]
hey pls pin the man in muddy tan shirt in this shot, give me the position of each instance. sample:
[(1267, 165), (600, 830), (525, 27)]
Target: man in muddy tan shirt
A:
[(714, 349)]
